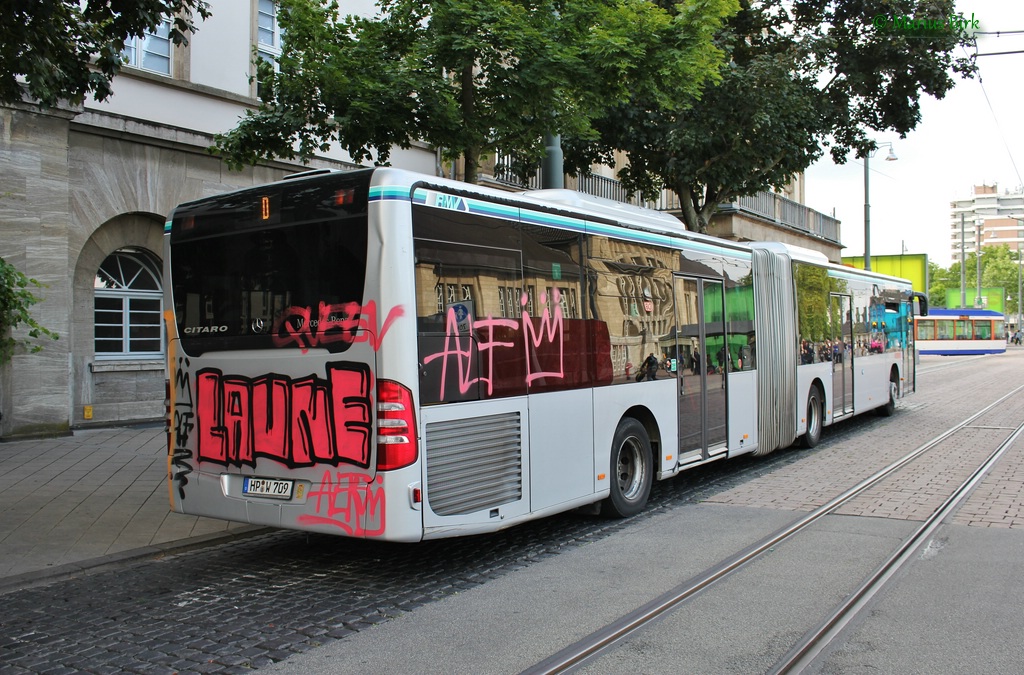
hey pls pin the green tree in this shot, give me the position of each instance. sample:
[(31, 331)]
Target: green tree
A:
[(801, 77), (70, 49), (940, 279), (998, 270), (470, 76), (16, 298)]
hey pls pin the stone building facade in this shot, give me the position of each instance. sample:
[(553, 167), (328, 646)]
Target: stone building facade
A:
[(78, 187), (85, 193)]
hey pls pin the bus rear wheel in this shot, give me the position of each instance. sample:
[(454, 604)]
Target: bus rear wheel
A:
[(815, 418), (632, 470)]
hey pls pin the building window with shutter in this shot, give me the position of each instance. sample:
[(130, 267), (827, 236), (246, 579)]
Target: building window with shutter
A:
[(128, 318)]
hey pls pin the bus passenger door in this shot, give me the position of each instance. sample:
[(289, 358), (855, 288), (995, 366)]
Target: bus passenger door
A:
[(908, 327), (703, 364), (842, 354)]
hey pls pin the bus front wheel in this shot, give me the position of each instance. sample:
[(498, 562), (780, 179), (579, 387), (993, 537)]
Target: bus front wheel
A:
[(889, 408), (815, 418), (632, 470)]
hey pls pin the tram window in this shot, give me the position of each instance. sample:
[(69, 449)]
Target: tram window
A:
[(983, 330)]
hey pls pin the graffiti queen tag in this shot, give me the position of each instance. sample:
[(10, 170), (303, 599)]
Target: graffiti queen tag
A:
[(347, 322)]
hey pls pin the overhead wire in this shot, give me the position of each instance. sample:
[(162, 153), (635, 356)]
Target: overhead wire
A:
[(988, 101)]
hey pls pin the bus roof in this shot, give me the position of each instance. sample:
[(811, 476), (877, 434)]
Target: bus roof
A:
[(589, 206), (568, 202), (584, 202), (964, 311)]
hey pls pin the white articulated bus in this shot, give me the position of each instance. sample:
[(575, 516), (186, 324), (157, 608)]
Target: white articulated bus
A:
[(389, 355)]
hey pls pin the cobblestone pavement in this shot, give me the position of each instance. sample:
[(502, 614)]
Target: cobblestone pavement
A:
[(236, 606), (259, 599)]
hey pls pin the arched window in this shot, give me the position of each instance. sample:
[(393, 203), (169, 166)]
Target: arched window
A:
[(129, 306)]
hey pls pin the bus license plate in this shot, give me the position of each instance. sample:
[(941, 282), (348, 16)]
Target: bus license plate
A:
[(268, 487)]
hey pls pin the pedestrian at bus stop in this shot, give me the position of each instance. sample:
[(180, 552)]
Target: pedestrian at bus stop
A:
[(651, 366)]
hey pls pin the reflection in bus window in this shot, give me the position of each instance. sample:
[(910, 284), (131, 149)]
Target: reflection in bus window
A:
[(501, 316), (239, 284), (739, 317), (812, 293), (632, 294), (463, 311)]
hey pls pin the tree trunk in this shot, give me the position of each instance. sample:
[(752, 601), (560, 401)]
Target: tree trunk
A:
[(470, 152), (687, 206)]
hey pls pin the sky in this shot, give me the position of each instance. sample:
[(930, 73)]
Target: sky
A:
[(973, 136)]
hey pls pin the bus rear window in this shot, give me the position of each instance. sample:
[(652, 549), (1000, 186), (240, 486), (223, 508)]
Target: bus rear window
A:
[(269, 287)]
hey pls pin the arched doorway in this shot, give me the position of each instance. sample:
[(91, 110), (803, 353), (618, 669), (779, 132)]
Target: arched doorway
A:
[(118, 364)]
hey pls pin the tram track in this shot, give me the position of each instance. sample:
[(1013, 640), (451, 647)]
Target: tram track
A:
[(812, 643)]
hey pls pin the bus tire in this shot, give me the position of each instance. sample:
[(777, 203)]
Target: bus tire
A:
[(889, 408), (815, 417), (632, 470)]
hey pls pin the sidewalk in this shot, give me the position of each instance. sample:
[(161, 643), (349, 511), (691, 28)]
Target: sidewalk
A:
[(97, 496)]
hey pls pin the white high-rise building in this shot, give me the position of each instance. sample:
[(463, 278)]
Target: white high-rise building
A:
[(988, 216)]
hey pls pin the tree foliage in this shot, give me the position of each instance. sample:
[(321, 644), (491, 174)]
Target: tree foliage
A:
[(801, 77), (16, 298), (68, 49), (999, 265), (470, 76), (940, 279)]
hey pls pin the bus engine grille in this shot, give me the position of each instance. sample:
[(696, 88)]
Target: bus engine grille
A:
[(474, 464)]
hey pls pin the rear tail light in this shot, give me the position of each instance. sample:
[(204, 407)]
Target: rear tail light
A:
[(396, 426)]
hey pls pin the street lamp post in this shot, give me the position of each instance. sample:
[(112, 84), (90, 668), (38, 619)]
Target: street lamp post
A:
[(977, 259), (963, 263), (1018, 233), (867, 199)]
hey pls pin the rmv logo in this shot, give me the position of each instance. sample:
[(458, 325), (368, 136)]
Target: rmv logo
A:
[(451, 202)]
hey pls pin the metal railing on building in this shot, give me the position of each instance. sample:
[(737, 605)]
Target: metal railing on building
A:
[(781, 210), (773, 207)]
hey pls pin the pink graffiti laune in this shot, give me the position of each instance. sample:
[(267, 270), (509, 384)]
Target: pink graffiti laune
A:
[(298, 422), (335, 322), (349, 501), (549, 331)]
